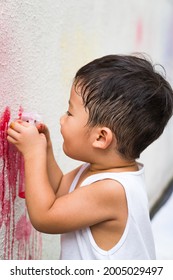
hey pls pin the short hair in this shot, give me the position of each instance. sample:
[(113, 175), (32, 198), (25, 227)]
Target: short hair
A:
[(126, 94)]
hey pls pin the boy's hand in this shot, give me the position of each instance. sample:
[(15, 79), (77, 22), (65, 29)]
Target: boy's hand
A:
[(26, 138), (42, 128)]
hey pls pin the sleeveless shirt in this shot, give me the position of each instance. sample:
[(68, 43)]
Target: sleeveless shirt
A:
[(136, 241)]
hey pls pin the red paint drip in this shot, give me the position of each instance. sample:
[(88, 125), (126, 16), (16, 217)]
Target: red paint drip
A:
[(20, 112), (12, 186)]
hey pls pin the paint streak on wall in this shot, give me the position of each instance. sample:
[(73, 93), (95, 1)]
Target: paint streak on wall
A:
[(19, 240), (139, 34)]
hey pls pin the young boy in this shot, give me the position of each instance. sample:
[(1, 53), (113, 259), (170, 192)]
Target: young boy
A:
[(118, 106)]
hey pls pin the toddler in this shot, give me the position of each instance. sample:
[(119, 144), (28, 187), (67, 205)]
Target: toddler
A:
[(118, 106)]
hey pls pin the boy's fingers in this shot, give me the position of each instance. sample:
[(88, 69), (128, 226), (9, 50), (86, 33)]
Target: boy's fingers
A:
[(12, 134), (23, 123), (12, 125), (11, 139), (17, 125), (41, 127)]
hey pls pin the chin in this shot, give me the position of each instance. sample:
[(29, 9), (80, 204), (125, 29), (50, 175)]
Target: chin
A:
[(74, 154), (66, 152), (71, 155)]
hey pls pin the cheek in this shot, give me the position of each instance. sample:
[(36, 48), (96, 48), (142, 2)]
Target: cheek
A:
[(67, 133)]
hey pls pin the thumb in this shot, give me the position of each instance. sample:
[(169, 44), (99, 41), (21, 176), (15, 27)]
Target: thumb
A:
[(41, 127)]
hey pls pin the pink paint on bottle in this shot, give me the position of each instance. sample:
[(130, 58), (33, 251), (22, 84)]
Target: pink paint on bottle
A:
[(31, 117)]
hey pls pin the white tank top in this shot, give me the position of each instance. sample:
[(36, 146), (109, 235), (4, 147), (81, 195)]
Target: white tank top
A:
[(137, 239)]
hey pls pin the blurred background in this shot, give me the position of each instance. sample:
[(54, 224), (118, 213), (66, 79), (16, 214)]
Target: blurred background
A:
[(42, 45)]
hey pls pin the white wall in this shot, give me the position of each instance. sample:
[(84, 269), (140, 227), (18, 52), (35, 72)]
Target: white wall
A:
[(45, 42)]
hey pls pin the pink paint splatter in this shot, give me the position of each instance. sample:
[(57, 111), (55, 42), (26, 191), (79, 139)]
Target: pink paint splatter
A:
[(11, 187), (22, 234), (20, 112), (139, 33), (23, 229)]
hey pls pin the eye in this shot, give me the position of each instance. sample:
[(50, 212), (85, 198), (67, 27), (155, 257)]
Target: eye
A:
[(68, 113)]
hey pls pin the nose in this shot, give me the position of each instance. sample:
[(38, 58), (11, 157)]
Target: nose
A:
[(62, 119)]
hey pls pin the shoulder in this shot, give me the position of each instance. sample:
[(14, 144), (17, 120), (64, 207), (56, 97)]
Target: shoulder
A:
[(103, 183), (110, 195), (111, 188)]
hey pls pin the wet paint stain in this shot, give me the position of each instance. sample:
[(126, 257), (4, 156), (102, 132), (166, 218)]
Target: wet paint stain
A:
[(19, 240)]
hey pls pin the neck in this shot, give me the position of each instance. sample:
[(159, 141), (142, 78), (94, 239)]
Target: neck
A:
[(116, 166)]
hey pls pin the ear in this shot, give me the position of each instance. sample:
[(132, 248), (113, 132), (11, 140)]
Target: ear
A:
[(103, 139)]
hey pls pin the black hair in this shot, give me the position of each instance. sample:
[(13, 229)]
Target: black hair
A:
[(126, 94)]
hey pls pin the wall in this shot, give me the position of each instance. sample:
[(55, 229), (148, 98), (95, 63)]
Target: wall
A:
[(42, 44)]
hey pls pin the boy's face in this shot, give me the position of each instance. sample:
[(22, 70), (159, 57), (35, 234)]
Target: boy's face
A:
[(74, 128)]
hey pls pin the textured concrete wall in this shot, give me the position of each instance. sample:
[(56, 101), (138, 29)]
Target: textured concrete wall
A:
[(42, 44)]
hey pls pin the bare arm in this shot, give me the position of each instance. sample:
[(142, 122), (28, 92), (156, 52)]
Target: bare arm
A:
[(54, 172), (68, 212)]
